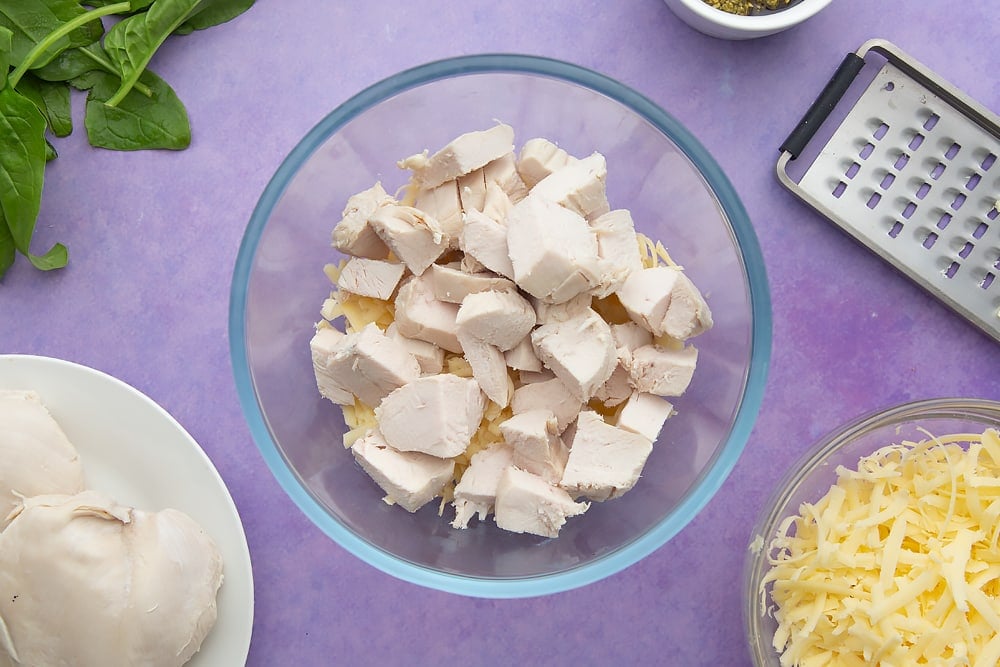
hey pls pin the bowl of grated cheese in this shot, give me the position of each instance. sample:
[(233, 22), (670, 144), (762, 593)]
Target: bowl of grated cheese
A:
[(880, 545), (334, 435)]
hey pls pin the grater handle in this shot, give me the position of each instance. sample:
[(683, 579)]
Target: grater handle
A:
[(823, 105)]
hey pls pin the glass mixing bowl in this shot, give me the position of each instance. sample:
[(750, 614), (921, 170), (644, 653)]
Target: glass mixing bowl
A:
[(676, 193)]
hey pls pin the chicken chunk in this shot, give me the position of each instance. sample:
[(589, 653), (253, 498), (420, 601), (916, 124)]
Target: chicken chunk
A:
[(616, 389), (485, 240), (488, 368), (526, 503), (429, 356), (503, 173), (553, 252), (443, 204), (579, 186), (663, 371), (534, 437), (522, 356), (421, 316), (604, 461), (476, 492), (579, 351), (665, 302), (464, 154), (409, 479), (618, 249), (413, 236), (370, 277), (501, 318), (452, 284), (354, 235), (367, 364), (552, 395), (436, 415), (539, 158), (324, 345), (645, 414)]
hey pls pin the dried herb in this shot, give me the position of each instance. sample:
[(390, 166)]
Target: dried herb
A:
[(748, 7)]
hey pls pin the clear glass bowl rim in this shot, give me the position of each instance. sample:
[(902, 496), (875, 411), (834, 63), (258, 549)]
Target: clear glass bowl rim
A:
[(770, 513), (753, 266)]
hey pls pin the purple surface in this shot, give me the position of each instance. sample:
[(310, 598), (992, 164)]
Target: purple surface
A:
[(153, 238)]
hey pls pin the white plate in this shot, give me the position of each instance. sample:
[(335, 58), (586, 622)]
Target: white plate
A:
[(136, 452)]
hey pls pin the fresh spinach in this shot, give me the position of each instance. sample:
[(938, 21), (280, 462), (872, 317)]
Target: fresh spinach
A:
[(52, 99), (137, 122), (49, 46)]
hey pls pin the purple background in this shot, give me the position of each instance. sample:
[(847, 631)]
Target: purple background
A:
[(153, 237)]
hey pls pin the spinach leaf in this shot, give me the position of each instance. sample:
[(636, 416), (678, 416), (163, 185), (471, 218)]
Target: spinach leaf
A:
[(132, 42), (31, 21), (71, 63), (50, 152), (22, 174), (52, 99), (138, 122), (6, 246), (5, 39), (214, 12)]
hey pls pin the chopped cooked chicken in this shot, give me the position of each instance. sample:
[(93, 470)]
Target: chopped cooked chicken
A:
[(526, 503), (485, 240), (552, 395), (616, 246), (464, 154), (88, 582), (429, 356), (472, 191), (370, 277), (324, 346), (604, 461), (452, 284), (579, 351), (539, 158), (501, 318), (664, 301), (662, 371), (522, 356), (645, 414), (616, 389), (353, 235), (503, 173), (578, 185), (476, 492), (409, 479), (442, 203), (420, 315), (413, 236), (367, 364), (488, 368), (436, 415), (37, 457), (552, 250), (546, 313), (534, 436)]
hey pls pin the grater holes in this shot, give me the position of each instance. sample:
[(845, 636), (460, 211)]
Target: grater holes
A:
[(973, 181), (944, 220), (887, 181), (852, 170), (958, 201), (937, 170), (931, 121), (909, 210), (988, 161), (992, 213), (896, 229), (880, 131), (966, 249), (930, 240), (916, 141), (952, 151), (873, 200), (866, 150), (838, 190), (987, 281), (979, 231), (951, 270), (923, 190), (901, 161)]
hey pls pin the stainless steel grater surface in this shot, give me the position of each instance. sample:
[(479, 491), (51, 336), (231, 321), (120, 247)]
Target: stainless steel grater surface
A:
[(912, 171)]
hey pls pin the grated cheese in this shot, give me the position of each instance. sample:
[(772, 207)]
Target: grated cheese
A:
[(897, 564)]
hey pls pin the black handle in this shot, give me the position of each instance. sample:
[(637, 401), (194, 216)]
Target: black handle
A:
[(823, 105)]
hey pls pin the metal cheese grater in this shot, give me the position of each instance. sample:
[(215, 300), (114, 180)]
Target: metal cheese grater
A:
[(912, 171)]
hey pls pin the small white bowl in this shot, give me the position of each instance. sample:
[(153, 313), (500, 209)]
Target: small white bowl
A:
[(717, 23)]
